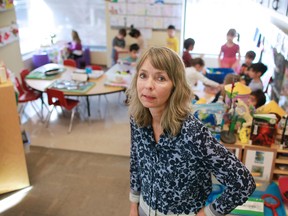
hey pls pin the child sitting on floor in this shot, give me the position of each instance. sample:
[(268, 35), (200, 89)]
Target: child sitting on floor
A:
[(257, 98), (255, 72)]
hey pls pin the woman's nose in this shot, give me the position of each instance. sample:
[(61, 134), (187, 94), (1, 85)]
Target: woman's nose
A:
[(149, 83)]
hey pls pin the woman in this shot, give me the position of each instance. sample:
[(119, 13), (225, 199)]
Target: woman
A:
[(172, 154)]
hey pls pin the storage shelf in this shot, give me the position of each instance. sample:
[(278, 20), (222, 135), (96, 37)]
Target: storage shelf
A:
[(279, 171), (281, 161)]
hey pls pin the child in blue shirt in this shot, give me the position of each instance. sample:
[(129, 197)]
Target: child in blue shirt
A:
[(133, 55)]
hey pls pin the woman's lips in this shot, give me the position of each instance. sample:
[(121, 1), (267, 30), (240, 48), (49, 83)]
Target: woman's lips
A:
[(149, 97)]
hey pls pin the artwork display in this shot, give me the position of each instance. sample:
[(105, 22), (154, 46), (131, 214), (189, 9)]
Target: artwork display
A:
[(260, 162), (8, 34)]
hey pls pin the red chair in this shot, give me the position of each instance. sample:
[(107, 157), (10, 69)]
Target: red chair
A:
[(57, 98), (23, 74), (25, 97), (70, 62)]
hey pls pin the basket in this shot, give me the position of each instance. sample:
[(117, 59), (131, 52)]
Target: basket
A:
[(218, 74)]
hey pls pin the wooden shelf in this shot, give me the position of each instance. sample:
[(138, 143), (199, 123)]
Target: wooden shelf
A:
[(279, 171), (281, 161)]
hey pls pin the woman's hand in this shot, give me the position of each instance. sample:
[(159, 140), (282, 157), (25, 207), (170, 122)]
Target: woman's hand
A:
[(134, 209), (201, 213)]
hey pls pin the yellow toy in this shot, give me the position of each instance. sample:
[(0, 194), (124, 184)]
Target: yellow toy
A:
[(244, 134)]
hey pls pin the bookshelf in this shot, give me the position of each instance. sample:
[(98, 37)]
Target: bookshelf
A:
[(281, 157)]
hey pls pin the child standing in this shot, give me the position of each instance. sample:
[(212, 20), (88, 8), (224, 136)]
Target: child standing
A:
[(118, 45), (255, 72), (228, 54), (133, 55), (188, 46), (172, 42), (135, 33)]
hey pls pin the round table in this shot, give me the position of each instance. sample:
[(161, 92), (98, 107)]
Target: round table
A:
[(100, 88)]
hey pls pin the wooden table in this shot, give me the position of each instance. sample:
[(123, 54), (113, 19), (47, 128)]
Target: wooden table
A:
[(100, 88)]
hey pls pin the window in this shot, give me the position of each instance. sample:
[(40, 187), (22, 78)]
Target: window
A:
[(208, 21), (38, 20)]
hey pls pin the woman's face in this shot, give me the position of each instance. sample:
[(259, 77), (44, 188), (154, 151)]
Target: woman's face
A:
[(153, 86)]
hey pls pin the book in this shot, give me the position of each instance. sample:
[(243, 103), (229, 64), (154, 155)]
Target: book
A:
[(263, 129), (252, 207)]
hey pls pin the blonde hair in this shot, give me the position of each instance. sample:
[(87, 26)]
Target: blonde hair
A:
[(179, 104), (75, 36)]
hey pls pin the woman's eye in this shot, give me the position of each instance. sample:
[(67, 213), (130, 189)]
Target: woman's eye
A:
[(141, 75), (161, 78)]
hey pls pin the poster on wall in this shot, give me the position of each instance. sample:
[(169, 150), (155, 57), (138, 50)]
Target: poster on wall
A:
[(8, 35)]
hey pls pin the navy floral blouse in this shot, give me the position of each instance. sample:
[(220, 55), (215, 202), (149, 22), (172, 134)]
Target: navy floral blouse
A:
[(174, 175)]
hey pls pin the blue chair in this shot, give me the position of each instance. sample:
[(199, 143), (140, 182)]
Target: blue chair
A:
[(40, 59)]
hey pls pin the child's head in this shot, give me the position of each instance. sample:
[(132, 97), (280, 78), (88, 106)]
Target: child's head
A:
[(231, 78), (198, 63), (134, 50), (243, 68), (249, 57), (122, 33), (257, 98), (257, 70), (135, 33), (171, 31), (189, 44), (231, 34)]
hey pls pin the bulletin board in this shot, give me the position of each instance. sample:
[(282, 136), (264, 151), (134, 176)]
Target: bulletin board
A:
[(150, 14)]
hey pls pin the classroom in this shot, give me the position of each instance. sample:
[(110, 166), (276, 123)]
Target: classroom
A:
[(143, 107)]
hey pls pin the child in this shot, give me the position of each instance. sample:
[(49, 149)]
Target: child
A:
[(194, 73), (257, 98), (133, 55), (249, 58), (229, 79), (135, 33), (255, 72), (118, 45), (227, 56), (172, 41), (188, 46)]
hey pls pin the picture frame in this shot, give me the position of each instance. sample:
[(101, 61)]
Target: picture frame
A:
[(260, 162), (237, 150)]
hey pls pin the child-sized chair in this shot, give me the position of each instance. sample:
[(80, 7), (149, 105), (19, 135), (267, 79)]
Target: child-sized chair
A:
[(40, 59), (25, 97), (57, 98), (70, 62)]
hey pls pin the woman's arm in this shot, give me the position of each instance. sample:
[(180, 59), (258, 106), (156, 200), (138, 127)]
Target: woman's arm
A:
[(229, 171), (134, 209), (135, 186)]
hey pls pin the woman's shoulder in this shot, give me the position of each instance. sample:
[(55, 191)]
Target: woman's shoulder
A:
[(192, 123)]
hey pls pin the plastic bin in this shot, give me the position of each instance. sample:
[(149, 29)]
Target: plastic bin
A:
[(218, 74)]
